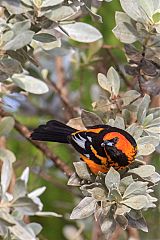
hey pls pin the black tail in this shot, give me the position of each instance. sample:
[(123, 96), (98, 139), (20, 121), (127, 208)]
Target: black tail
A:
[(52, 131)]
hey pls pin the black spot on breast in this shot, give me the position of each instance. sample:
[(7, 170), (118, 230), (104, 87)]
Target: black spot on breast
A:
[(117, 156)]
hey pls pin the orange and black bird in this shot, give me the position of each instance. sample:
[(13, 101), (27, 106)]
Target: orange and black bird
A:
[(100, 146)]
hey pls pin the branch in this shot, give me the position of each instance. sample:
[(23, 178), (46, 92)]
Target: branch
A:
[(24, 131)]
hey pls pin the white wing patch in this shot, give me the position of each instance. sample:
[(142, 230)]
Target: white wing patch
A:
[(80, 141)]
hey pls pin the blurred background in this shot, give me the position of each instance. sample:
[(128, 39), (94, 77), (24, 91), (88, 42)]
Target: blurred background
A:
[(72, 70)]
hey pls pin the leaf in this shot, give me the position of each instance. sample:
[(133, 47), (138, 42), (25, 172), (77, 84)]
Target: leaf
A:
[(21, 26), (82, 170), (19, 189), (19, 41), (76, 123), (44, 37), (10, 66), (26, 206), (6, 174), (49, 3), (143, 171), (130, 96), (35, 228), (74, 181), (153, 122), (30, 84), (111, 83), (124, 29), (84, 209), (113, 77), (155, 177), (146, 149), (135, 130), (60, 14), (122, 220), (25, 175), (119, 122), (14, 7), (6, 125), (81, 32), (138, 223), (148, 139), (125, 182), (98, 193), (112, 178), (148, 119), (90, 118), (48, 214), (142, 109), (6, 154), (136, 10), (37, 192), (122, 209), (135, 188), (136, 202), (107, 224)]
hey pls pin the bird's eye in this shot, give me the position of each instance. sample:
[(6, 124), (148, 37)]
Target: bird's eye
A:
[(110, 142)]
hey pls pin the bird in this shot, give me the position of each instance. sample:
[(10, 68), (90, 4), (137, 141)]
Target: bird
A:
[(100, 146)]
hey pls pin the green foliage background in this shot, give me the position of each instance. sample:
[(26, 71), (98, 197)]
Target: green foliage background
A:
[(58, 197)]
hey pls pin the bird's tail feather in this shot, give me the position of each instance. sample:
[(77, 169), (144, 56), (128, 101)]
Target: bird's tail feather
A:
[(52, 131)]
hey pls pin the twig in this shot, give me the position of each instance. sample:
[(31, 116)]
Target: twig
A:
[(24, 131)]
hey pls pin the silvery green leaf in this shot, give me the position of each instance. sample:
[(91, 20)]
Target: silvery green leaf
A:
[(119, 122), (135, 130), (81, 32), (33, 228), (114, 195), (107, 224), (151, 201), (130, 96), (148, 139), (153, 130), (155, 111), (125, 182), (19, 189), (6, 173), (25, 175), (136, 202), (10, 66), (143, 171), (44, 37), (82, 170), (98, 193), (146, 149), (122, 209), (90, 118), (60, 14), (138, 223), (135, 214), (26, 206), (111, 122), (153, 122), (135, 188), (142, 109), (155, 177), (22, 26), (137, 10), (27, 2), (122, 221), (6, 154), (49, 3), (14, 7), (104, 82), (74, 181), (30, 84), (112, 178), (19, 41), (6, 125), (113, 77), (37, 192), (84, 209), (148, 119), (48, 214), (124, 29)]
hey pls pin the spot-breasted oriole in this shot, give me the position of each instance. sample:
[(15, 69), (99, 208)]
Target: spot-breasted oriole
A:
[(100, 146)]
